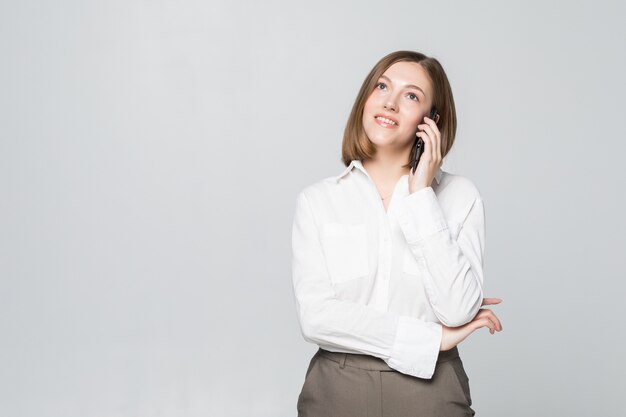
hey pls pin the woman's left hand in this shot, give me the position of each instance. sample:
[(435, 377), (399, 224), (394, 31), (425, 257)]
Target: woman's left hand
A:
[(431, 160)]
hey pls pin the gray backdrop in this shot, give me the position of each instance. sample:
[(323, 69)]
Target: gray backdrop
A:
[(151, 153)]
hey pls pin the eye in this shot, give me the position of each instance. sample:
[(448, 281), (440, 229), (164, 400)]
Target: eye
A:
[(413, 95), (379, 84)]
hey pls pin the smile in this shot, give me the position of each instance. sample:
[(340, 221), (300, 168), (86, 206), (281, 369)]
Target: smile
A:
[(384, 122)]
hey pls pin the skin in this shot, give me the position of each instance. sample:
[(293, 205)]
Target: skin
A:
[(410, 108)]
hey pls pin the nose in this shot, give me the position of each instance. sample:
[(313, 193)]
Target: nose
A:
[(390, 105)]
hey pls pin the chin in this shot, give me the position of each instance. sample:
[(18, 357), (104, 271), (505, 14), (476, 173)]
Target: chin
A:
[(382, 142), (389, 141)]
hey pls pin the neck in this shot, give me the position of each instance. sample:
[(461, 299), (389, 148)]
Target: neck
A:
[(385, 166)]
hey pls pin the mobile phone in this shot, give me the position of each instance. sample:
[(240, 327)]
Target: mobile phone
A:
[(418, 145)]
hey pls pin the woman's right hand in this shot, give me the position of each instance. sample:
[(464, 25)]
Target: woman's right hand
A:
[(452, 336)]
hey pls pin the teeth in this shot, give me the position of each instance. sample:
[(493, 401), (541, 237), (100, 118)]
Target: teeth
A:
[(389, 122)]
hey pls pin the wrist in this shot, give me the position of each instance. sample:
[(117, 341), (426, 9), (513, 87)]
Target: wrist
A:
[(417, 188)]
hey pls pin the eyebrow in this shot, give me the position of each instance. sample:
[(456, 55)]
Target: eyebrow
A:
[(408, 85)]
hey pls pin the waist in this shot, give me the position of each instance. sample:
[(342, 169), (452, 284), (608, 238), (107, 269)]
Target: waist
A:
[(373, 363)]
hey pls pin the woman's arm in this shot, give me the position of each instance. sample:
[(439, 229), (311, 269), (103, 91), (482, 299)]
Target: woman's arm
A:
[(452, 336), (405, 343), (453, 268)]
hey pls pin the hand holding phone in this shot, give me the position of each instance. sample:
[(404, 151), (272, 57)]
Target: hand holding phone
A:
[(418, 145)]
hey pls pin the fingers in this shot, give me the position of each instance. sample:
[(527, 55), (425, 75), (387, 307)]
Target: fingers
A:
[(438, 153), (486, 322), (427, 135), (432, 123), (492, 317), (490, 301), (427, 143), (493, 321), (434, 138), (496, 321)]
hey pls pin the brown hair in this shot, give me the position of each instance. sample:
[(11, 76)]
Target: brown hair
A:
[(356, 144)]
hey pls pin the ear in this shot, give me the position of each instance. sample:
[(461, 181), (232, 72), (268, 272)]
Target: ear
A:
[(437, 118)]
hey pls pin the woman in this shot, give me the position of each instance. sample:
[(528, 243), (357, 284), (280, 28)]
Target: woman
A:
[(387, 262)]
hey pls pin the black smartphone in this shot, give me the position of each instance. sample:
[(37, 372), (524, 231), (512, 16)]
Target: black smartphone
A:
[(418, 145)]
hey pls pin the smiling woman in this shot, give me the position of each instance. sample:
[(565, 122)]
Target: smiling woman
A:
[(421, 84), (387, 262)]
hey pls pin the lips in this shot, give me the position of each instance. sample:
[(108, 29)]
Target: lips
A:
[(381, 123)]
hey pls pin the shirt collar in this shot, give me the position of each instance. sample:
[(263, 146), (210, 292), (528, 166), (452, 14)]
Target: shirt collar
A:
[(357, 163)]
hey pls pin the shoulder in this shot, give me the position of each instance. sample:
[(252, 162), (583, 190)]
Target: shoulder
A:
[(319, 189), (460, 186)]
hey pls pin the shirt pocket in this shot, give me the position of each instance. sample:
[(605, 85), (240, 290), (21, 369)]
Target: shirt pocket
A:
[(346, 250)]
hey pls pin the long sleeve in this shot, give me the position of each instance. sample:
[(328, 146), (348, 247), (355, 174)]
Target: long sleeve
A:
[(405, 343), (453, 268)]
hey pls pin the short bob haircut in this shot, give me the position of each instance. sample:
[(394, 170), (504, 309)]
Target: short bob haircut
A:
[(356, 144)]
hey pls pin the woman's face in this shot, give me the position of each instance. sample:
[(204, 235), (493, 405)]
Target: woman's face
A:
[(403, 94)]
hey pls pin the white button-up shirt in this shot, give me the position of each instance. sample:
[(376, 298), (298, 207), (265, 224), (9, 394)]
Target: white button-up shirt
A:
[(381, 282)]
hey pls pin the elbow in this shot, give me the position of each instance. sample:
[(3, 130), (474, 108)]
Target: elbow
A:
[(310, 327), (460, 314), (308, 332), (315, 321), (454, 320)]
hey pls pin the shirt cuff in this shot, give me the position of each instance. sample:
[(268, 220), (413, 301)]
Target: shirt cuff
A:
[(420, 216), (416, 347)]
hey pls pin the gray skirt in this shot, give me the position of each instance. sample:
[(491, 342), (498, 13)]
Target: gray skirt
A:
[(352, 385)]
